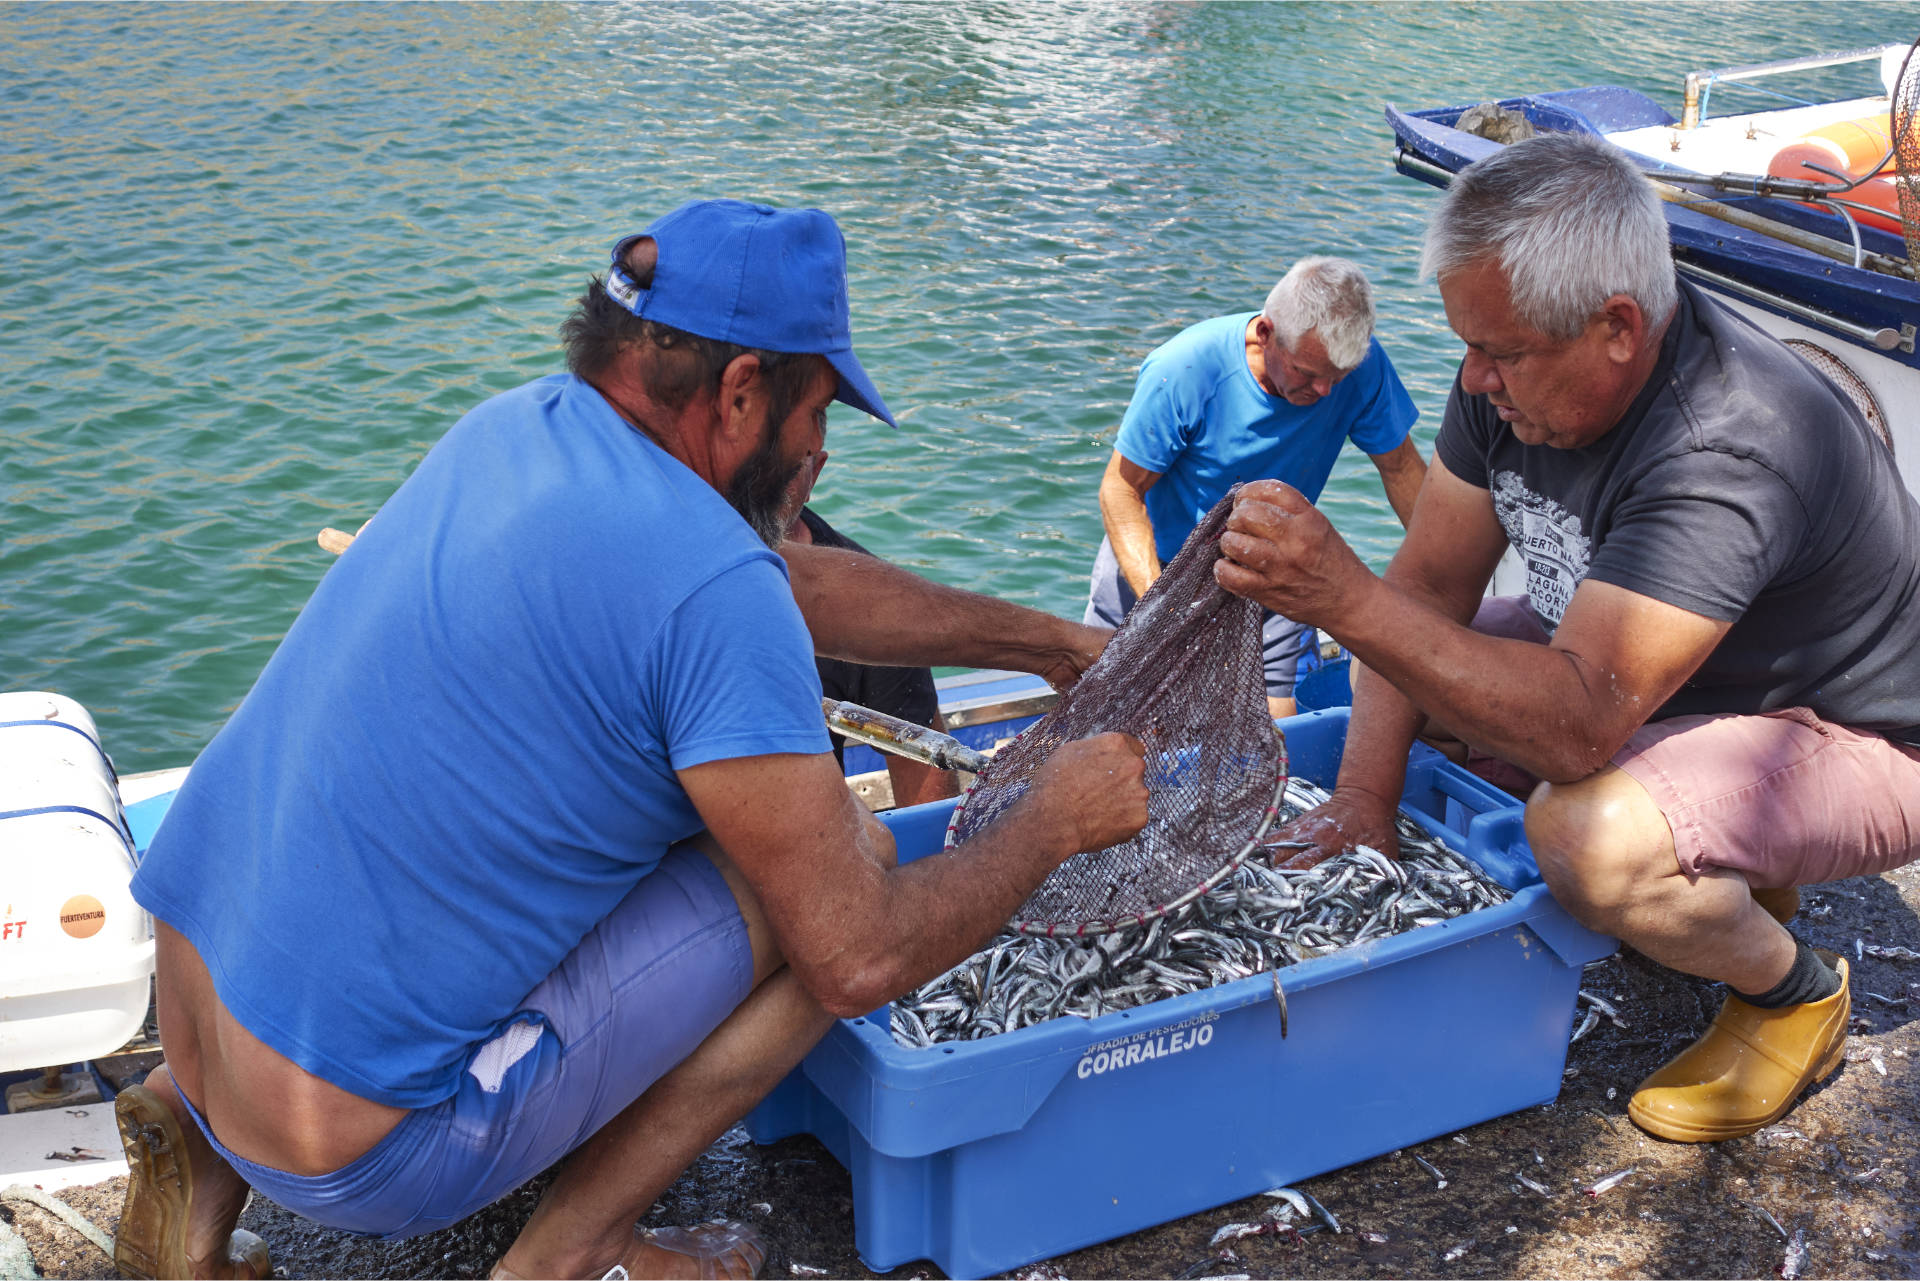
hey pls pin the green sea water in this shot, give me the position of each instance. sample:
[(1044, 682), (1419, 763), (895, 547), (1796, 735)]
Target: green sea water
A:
[(255, 260)]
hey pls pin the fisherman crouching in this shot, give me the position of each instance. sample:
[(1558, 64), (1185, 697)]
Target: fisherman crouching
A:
[(528, 841), (1711, 675)]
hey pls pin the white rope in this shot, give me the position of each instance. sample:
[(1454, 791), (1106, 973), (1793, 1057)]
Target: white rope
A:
[(62, 1211), (16, 1260)]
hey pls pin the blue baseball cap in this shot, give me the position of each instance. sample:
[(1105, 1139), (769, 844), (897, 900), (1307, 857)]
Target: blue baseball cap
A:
[(754, 276)]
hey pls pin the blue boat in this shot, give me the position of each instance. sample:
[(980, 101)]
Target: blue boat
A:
[(1807, 258)]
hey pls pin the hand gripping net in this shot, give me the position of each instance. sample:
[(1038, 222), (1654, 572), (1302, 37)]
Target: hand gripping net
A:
[(1183, 675)]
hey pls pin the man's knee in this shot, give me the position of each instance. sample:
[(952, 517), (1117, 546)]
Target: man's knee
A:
[(1600, 843)]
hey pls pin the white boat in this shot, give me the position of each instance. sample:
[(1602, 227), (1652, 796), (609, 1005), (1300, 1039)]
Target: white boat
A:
[(1817, 256)]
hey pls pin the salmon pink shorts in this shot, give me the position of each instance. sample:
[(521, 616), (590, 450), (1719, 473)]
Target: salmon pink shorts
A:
[(1782, 797)]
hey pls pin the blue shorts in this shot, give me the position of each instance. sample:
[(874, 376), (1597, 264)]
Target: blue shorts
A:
[(636, 997), (1283, 642)]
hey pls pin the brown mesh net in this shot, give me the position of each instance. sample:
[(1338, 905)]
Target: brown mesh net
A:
[(1905, 110), (1184, 676), (1841, 375)]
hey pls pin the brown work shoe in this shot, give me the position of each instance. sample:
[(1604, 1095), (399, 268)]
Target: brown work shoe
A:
[(1747, 1070), (1781, 904), (151, 1240)]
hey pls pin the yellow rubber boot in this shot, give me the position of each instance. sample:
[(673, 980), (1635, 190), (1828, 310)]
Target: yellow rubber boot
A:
[(1781, 904), (1747, 1070)]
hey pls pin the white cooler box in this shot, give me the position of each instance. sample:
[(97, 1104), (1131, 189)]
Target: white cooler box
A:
[(76, 952)]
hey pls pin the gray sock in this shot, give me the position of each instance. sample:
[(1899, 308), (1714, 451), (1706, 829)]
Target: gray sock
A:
[(1810, 979)]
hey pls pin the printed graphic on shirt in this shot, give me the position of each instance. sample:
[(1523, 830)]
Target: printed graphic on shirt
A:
[(1548, 538)]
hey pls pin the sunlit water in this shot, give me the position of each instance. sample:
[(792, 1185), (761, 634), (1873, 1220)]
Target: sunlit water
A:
[(254, 261)]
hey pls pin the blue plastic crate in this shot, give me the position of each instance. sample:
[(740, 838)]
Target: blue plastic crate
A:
[(986, 1155), (1328, 685)]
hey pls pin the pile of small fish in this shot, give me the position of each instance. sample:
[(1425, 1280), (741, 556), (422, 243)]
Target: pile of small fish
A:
[(1259, 919)]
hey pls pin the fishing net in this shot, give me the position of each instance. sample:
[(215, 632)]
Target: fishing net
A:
[(1184, 676), (1905, 111), (1841, 375)]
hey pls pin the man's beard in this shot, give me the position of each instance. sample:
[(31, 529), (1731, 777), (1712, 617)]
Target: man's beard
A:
[(758, 489)]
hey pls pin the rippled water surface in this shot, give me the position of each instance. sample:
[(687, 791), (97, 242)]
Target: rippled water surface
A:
[(254, 261)]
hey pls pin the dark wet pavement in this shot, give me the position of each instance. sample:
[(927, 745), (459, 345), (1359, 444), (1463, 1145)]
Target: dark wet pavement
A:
[(1842, 1168)]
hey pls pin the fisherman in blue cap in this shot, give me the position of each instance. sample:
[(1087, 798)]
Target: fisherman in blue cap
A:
[(528, 841)]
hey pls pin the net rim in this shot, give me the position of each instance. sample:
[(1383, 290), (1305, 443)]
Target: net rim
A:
[(1093, 929)]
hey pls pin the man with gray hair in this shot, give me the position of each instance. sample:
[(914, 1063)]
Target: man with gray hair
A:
[(1269, 394), (1709, 684)]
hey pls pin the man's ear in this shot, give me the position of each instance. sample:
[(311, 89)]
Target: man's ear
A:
[(741, 403), (642, 256), (1626, 328)]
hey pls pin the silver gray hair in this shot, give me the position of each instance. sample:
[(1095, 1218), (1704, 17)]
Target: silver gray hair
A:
[(1570, 220), (1329, 297)]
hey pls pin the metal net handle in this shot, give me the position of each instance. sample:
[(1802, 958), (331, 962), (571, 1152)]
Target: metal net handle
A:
[(1090, 929)]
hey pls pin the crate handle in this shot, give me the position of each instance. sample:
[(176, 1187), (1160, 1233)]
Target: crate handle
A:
[(1497, 841), (1483, 797)]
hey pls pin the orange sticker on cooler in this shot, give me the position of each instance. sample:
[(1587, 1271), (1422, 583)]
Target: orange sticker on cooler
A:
[(82, 916)]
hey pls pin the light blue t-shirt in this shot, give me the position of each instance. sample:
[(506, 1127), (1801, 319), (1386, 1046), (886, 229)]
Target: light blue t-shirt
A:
[(462, 755), (1199, 419)]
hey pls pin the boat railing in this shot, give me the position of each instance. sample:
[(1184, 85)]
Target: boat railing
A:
[(1882, 337), (1699, 84)]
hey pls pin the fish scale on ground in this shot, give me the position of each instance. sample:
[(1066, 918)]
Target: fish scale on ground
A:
[(1261, 918)]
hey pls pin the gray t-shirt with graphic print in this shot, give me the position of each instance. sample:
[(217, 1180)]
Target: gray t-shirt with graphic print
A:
[(1742, 486)]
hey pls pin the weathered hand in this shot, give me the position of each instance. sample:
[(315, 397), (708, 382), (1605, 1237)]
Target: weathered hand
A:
[(1079, 646), (1097, 786), (1282, 552), (1346, 819)]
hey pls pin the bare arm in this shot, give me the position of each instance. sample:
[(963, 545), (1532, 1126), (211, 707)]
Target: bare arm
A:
[(1449, 554), (1401, 471), (858, 932), (863, 610), (1123, 510), (1445, 563), (1559, 710)]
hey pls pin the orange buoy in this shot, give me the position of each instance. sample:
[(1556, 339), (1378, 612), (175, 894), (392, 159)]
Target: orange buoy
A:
[(1850, 147)]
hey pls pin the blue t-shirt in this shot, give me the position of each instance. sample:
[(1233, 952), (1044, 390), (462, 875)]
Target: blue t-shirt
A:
[(462, 755), (1199, 419)]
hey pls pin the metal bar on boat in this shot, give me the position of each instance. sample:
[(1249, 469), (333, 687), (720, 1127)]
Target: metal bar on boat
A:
[(987, 696), (1812, 242), (1748, 184), (1825, 246), (1408, 163), (1879, 336), (1006, 709), (1696, 80)]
